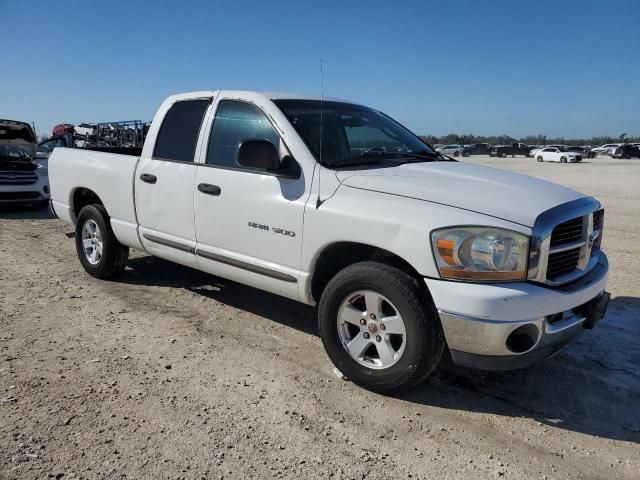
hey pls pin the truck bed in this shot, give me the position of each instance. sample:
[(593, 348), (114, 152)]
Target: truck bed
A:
[(109, 175)]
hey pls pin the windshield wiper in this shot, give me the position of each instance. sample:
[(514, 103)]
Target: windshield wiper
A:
[(358, 161)]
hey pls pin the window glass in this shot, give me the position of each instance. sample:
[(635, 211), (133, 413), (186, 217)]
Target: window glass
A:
[(340, 133), (178, 133), (234, 123)]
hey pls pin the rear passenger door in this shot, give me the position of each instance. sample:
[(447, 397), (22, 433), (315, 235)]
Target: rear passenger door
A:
[(164, 184)]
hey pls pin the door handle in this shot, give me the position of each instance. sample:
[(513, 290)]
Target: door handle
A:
[(209, 189), (147, 177)]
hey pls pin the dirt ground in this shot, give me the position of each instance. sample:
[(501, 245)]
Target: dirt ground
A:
[(171, 373)]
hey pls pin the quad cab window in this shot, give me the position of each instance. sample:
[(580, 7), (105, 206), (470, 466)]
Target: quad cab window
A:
[(179, 131)]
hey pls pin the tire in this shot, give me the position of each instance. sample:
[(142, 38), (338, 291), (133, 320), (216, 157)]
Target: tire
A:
[(563, 160), (540, 159), (456, 154), (627, 157), (465, 154), (502, 155), (111, 256), (416, 352)]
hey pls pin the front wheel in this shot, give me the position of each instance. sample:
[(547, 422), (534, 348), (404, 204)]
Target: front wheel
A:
[(502, 155), (563, 160), (379, 327), (98, 249), (540, 159), (465, 154)]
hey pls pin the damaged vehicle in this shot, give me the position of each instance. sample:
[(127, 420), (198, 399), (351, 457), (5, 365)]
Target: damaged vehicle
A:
[(22, 180)]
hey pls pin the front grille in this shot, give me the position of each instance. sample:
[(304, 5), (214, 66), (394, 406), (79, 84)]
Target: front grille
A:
[(597, 219), (19, 195), (579, 158), (18, 178), (566, 242), (567, 232), (563, 262)]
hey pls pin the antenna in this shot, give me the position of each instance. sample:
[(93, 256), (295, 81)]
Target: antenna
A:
[(318, 201)]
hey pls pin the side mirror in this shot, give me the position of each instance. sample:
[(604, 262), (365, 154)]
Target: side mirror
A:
[(260, 154)]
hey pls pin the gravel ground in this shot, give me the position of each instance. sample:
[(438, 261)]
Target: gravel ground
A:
[(171, 373)]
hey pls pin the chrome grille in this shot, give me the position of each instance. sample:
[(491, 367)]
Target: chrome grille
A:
[(565, 242), (562, 262), (17, 178), (598, 217), (567, 232)]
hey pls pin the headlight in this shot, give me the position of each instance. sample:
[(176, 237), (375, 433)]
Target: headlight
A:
[(480, 253)]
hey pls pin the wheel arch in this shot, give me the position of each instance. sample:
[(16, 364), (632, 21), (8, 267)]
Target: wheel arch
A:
[(339, 255), (80, 197)]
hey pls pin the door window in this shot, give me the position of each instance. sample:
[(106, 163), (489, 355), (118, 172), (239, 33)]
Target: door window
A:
[(234, 123), (179, 131)]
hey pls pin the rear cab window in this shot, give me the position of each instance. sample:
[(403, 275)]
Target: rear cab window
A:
[(178, 134)]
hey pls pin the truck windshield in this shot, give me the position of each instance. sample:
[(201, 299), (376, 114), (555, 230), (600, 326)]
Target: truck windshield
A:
[(352, 134)]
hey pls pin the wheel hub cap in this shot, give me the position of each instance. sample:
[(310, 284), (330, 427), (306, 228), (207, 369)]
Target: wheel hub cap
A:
[(92, 244), (371, 329)]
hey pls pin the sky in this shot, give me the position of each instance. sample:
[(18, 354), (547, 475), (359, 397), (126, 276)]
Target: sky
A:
[(558, 68)]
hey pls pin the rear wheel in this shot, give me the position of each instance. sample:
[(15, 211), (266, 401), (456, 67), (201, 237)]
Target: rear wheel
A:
[(502, 155), (379, 327), (98, 249), (456, 154), (465, 154)]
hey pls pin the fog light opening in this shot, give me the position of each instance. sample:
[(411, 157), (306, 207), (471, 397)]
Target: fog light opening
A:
[(522, 339)]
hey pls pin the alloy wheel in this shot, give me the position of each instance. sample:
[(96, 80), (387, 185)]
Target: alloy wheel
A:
[(92, 242), (371, 329)]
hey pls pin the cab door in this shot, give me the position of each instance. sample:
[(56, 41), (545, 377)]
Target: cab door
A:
[(164, 184), (248, 221)]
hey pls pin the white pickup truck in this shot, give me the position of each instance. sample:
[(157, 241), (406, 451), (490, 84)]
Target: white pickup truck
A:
[(407, 254)]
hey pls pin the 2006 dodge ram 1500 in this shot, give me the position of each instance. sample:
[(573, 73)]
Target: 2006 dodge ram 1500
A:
[(407, 254)]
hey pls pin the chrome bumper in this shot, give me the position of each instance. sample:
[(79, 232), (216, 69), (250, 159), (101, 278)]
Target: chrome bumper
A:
[(489, 344)]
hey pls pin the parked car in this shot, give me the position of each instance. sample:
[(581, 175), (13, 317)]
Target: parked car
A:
[(513, 150), (604, 149), (554, 154), (453, 150), (21, 180), (406, 254), (626, 151), (61, 129), (476, 149), (582, 150), (533, 153)]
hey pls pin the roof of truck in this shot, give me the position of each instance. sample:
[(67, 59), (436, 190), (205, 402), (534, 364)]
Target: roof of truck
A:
[(269, 95)]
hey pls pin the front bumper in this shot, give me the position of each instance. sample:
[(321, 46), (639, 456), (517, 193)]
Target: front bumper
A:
[(479, 320), (18, 194)]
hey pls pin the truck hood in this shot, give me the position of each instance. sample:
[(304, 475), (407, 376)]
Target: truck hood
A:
[(489, 191)]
